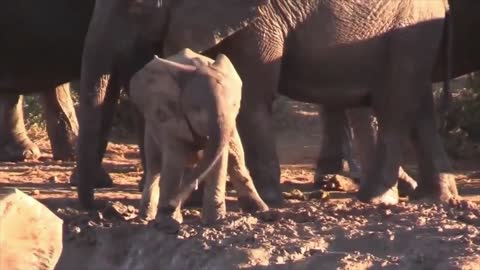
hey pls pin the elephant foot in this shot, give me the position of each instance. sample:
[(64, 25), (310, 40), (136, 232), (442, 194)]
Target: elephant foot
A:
[(213, 216), (252, 205), (272, 196), (331, 165), (379, 195), (19, 150), (406, 184), (444, 190), (168, 220), (102, 178), (63, 154)]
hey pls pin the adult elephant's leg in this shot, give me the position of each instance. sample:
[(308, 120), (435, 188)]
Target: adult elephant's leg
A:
[(435, 182), (14, 142), (349, 154), (364, 136), (257, 58), (364, 128), (248, 197), (96, 117), (331, 154), (62, 125), (395, 101), (380, 185)]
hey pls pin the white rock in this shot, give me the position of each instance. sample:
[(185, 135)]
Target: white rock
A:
[(30, 234)]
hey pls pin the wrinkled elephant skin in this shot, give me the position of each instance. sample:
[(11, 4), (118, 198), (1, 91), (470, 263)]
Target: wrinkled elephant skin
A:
[(375, 64)]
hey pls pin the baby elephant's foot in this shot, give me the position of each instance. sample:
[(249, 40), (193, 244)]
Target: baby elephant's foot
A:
[(168, 221), (214, 215), (252, 205)]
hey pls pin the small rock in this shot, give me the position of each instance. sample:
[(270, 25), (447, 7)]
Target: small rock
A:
[(131, 209), (280, 260), (295, 194), (336, 182), (302, 216), (117, 210), (468, 218), (31, 235), (76, 230), (318, 194), (35, 192), (96, 215)]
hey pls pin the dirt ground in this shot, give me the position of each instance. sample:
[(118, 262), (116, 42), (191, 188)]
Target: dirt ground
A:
[(333, 231)]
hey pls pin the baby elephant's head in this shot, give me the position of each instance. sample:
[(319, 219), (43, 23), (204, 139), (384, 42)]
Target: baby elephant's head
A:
[(189, 88)]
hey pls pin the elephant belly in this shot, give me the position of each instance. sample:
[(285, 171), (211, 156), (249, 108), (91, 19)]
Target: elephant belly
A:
[(27, 85), (344, 74), (337, 95)]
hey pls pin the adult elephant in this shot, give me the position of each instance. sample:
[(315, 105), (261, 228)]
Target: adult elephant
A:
[(40, 51), (345, 53), (459, 54)]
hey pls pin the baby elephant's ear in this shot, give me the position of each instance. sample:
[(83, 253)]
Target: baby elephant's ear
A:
[(163, 65), (232, 84), (223, 63)]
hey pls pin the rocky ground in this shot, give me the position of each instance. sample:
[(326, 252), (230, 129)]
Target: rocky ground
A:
[(314, 230)]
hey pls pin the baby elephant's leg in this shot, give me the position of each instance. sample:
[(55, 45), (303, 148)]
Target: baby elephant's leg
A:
[(248, 196), (168, 217), (151, 188), (214, 193)]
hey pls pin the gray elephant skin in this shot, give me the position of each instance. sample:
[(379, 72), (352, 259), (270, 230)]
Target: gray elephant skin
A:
[(41, 45), (458, 55), (190, 104), (340, 53)]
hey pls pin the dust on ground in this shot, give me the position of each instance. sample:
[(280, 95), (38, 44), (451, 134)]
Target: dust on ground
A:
[(309, 232)]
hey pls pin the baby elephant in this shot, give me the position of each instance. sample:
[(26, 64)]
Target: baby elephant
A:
[(190, 104)]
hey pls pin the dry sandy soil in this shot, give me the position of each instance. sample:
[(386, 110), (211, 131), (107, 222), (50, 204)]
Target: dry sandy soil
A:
[(332, 231)]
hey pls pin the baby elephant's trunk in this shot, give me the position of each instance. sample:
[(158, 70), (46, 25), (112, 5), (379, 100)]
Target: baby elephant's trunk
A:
[(221, 123)]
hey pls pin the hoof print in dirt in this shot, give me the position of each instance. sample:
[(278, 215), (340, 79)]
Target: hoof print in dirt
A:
[(336, 182)]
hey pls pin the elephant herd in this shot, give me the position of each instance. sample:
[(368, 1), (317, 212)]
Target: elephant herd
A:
[(358, 59)]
